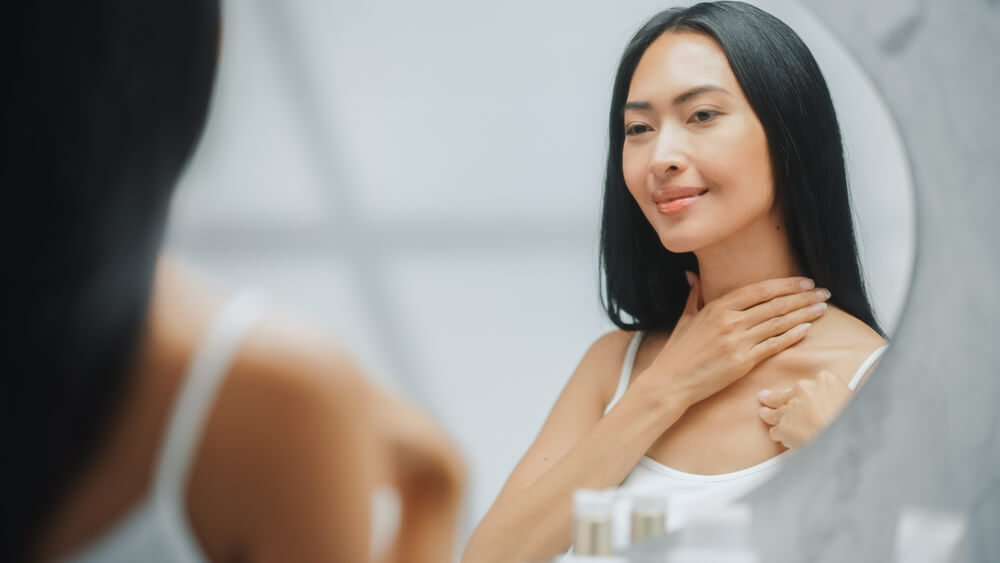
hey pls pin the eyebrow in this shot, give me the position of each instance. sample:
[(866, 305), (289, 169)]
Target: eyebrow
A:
[(680, 99)]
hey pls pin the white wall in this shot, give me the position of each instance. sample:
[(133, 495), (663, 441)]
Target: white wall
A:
[(424, 180)]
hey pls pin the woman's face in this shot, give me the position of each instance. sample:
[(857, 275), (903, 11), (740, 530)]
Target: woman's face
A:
[(695, 156)]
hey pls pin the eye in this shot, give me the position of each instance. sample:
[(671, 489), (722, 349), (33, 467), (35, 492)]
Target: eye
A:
[(636, 129), (701, 116)]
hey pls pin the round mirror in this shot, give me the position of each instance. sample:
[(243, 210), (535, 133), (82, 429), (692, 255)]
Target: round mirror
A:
[(425, 181)]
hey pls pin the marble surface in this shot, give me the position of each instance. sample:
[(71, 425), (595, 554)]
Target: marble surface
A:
[(923, 432)]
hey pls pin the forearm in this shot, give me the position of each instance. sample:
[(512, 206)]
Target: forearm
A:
[(431, 503), (535, 523)]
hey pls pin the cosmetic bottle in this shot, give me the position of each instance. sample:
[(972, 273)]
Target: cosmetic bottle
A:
[(593, 521), (649, 516)]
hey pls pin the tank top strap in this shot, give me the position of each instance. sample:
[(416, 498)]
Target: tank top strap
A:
[(866, 367), (626, 374), (193, 403)]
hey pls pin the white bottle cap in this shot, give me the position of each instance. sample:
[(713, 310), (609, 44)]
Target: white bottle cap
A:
[(593, 503), (592, 521)]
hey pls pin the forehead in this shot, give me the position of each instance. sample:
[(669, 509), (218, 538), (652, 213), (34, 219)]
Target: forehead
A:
[(677, 61)]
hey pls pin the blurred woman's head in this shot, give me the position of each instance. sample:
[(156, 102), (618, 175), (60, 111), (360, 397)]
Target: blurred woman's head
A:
[(106, 102), (721, 122)]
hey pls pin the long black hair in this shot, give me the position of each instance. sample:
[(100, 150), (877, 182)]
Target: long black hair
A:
[(105, 102), (644, 287)]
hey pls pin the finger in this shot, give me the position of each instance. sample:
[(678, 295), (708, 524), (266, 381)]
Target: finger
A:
[(777, 433), (783, 305), (760, 292), (694, 295), (784, 323), (775, 399), (771, 346), (770, 416)]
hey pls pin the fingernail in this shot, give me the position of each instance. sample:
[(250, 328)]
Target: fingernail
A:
[(764, 394), (823, 293), (764, 410), (801, 328), (820, 307), (807, 284)]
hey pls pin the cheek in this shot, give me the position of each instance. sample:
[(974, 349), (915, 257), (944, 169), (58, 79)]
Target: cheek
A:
[(756, 155), (738, 158), (634, 170)]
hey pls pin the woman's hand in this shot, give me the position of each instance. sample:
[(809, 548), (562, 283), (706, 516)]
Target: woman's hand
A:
[(797, 414), (428, 473), (712, 347)]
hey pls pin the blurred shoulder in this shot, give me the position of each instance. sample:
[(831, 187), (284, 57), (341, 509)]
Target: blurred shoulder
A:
[(280, 353), (283, 352), (290, 421)]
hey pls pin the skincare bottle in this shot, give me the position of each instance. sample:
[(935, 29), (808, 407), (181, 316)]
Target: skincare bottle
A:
[(593, 520), (649, 517)]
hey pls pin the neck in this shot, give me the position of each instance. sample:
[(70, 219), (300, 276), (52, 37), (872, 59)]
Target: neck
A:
[(759, 252)]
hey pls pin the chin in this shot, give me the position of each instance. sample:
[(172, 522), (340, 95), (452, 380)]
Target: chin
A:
[(681, 244)]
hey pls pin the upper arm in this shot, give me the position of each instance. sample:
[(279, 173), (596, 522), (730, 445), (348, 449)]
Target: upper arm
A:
[(288, 458), (579, 407)]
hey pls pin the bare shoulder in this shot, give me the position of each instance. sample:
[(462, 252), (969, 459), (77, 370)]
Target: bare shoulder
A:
[(290, 354), (287, 426), (847, 331), (282, 364), (288, 377), (602, 363), (839, 342)]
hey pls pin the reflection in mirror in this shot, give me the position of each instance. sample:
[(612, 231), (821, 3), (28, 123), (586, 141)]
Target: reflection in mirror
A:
[(730, 266), (436, 208)]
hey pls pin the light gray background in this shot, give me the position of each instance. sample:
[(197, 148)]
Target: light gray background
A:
[(424, 181)]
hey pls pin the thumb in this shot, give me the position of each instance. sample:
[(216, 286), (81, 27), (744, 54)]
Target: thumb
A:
[(775, 399), (694, 296)]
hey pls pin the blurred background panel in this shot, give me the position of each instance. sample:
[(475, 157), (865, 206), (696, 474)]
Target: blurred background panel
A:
[(424, 181)]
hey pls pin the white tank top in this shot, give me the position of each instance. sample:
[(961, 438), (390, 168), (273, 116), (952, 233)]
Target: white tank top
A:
[(687, 491), (157, 529)]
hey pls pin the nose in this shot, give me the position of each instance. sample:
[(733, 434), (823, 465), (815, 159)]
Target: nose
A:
[(669, 156)]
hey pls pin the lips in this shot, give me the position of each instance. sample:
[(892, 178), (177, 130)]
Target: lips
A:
[(671, 193), (671, 200)]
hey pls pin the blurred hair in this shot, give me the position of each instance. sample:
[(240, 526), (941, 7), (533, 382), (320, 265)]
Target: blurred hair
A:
[(105, 102), (643, 285)]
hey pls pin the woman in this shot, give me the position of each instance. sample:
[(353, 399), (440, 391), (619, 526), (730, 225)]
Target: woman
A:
[(148, 417), (727, 247)]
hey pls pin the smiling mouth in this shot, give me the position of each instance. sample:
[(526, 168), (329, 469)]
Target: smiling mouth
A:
[(699, 194), (673, 206)]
